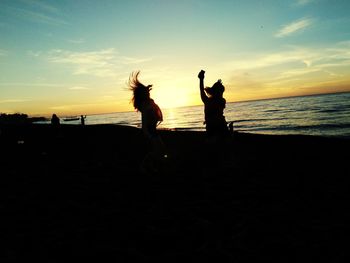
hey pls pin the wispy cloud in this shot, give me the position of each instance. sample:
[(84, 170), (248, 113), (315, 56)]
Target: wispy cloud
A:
[(40, 17), (36, 11), (3, 53), (98, 58), (296, 62), (294, 27), (79, 88), (41, 5), (76, 41), (13, 101), (296, 72), (75, 107), (130, 60), (303, 2), (101, 63), (258, 61), (26, 84), (33, 53), (98, 63)]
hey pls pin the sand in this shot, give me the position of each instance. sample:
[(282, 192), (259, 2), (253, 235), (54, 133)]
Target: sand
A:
[(76, 193)]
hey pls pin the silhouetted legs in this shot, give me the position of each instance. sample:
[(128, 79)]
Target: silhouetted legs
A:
[(155, 158)]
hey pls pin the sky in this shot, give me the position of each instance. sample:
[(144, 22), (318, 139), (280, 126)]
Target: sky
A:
[(75, 57)]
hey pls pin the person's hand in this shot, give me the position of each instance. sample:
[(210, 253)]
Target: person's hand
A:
[(201, 74)]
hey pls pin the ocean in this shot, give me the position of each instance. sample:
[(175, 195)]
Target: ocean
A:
[(325, 115)]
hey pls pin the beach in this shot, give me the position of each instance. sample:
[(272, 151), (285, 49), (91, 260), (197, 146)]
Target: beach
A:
[(76, 193)]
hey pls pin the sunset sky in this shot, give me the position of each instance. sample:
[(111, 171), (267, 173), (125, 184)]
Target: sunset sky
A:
[(75, 57)]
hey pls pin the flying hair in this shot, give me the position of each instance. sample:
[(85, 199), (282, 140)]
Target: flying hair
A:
[(140, 91)]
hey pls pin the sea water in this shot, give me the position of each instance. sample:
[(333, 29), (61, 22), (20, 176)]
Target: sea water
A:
[(325, 115)]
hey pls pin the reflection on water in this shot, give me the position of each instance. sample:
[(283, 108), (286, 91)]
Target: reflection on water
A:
[(184, 118), (327, 115)]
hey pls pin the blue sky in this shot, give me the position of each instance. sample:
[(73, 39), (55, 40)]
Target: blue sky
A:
[(74, 57)]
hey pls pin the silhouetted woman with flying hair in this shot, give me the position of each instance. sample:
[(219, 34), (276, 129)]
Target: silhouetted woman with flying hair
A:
[(151, 117)]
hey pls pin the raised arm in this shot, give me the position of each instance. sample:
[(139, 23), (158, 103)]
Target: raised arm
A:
[(201, 86)]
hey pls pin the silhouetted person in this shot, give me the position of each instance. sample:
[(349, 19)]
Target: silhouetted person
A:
[(216, 150), (151, 117), (214, 105), (55, 121), (231, 127), (82, 119)]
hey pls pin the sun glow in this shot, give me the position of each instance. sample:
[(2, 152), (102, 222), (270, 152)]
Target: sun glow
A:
[(169, 98), (172, 97)]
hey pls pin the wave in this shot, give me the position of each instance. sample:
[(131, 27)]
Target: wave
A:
[(324, 126), (297, 127), (263, 119), (334, 110)]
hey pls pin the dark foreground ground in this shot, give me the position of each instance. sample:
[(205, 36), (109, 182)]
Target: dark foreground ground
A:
[(76, 194)]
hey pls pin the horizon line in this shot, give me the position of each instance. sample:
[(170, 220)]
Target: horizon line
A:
[(195, 105), (272, 98)]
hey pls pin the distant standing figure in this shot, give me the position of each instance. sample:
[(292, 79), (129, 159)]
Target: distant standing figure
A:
[(231, 127), (82, 119), (55, 121), (214, 105), (151, 116)]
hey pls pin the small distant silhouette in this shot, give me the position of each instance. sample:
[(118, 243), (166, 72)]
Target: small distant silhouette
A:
[(82, 119), (214, 105), (55, 121), (151, 116), (231, 127)]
